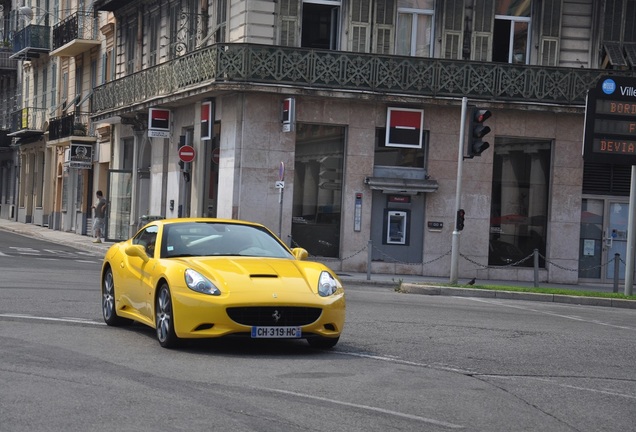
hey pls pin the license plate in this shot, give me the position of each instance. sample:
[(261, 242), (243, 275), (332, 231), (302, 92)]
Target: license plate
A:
[(276, 332)]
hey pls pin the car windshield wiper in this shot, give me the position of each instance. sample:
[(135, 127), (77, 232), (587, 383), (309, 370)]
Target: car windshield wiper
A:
[(181, 255)]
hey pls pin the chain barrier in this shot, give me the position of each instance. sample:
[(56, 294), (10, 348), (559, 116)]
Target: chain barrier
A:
[(394, 260)]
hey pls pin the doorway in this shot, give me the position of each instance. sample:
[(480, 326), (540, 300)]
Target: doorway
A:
[(320, 24), (603, 235)]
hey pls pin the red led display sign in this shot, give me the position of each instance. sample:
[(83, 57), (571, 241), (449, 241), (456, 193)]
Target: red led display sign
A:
[(610, 122)]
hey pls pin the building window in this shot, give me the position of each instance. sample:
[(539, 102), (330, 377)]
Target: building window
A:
[(398, 156), (153, 43), (318, 178), (519, 207), (415, 28), (221, 21), (511, 42), (320, 24), (130, 43)]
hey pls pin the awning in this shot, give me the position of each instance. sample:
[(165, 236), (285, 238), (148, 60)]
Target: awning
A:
[(389, 185)]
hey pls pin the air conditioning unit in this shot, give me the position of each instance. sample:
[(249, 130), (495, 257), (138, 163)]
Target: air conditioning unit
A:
[(67, 155)]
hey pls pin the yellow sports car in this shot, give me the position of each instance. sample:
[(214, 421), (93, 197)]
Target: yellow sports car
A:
[(206, 278)]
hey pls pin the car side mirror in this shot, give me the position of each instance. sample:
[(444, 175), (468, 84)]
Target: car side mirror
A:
[(137, 251), (300, 253)]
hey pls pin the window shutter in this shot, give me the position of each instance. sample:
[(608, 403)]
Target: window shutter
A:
[(452, 32), (383, 30), (360, 34), (483, 23), (452, 46), (550, 32), (613, 14), (383, 41), (480, 49), (289, 17), (549, 51)]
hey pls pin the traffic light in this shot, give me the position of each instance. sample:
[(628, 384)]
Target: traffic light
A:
[(477, 131), (459, 222)]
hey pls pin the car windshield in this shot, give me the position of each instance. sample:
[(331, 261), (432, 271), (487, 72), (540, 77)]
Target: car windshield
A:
[(219, 239)]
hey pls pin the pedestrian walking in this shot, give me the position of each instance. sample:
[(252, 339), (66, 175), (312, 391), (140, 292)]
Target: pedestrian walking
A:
[(99, 213)]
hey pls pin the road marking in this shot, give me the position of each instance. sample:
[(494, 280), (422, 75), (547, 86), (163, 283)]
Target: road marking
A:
[(550, 381), (87, 261), (3, 254), (366, 407), (39, 318), (558, 315), (392, 359)]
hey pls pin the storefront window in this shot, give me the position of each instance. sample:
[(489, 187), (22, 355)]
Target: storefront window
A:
[(520, 187), (318, 189)]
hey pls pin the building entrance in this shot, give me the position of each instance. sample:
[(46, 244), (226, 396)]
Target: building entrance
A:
[(603, 234)]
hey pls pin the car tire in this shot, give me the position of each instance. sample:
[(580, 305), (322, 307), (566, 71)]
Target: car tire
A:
[(164, 318), (109, 309), (322, 342)]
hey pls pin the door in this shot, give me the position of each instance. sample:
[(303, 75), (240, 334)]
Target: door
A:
[(603, 235), (119, 198), (616, 238)]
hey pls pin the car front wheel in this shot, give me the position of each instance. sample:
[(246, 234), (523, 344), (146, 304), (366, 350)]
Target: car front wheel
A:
[(164, 320), (109, 310)]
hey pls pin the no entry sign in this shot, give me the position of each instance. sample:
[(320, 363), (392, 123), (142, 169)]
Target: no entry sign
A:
[(186, 153)]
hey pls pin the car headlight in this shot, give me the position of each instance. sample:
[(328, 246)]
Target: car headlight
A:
[(327, 284), (199, 283)]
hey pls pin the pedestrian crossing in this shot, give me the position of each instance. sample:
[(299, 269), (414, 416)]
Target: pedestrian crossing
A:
[(50, 254)]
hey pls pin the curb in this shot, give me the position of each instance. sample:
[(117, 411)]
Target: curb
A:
[(411, 288)]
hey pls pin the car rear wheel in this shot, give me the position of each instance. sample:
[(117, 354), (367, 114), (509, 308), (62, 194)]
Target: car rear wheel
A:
[(109, 310), (322, 342), (164, 320)]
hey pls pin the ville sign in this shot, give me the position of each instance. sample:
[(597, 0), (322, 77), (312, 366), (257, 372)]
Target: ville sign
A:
[(610, 122)]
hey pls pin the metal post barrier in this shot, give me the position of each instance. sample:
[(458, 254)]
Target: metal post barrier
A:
[(617, 261), (369, 253), (536, 268)]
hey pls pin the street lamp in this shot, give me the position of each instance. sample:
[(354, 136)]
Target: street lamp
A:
[(25, 12)]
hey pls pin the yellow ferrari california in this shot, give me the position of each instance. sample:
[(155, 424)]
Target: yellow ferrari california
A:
[(207, 278)]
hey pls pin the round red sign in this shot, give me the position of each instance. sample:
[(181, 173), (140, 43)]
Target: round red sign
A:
[(186, 153)]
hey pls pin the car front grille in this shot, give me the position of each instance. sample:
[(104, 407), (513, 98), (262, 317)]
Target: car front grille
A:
[(274, 315)]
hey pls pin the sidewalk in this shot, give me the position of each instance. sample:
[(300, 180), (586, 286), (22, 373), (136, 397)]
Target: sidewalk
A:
[(408, 283)]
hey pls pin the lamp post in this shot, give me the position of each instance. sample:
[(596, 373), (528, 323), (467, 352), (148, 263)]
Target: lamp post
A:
[(27, 12)]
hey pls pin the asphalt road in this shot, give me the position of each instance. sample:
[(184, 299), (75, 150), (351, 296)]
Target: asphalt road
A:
[(405, 362)]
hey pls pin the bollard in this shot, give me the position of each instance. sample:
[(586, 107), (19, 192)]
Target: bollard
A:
[(369, 253), (536, 268), (617, 260)]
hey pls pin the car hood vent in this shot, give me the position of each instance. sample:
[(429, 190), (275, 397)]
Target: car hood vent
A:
[(263, 276)]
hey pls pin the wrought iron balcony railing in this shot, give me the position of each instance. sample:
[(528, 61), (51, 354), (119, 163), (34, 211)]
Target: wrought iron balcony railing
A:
[(347, 71), (31, 41), (79, 30), (71, 124), (29, 119)]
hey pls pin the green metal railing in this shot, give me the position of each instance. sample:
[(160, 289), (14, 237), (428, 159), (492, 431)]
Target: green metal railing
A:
[(347, 71)]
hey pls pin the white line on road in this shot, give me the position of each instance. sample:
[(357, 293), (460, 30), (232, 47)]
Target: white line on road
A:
[(392, 359), (69, 320), (367, 407), (550, 381), (570, 317)]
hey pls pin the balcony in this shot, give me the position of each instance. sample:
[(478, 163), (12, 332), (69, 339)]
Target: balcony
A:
[(223, 66), (31, 42), (73, 126), (7, 64), (74, 35), (28, 122)]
